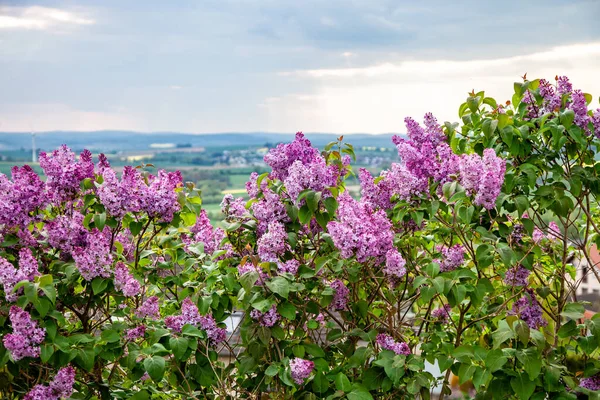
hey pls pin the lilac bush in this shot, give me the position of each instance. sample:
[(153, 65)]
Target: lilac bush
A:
[(462, 254)]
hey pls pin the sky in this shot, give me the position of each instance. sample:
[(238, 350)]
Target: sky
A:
[(276, 65)]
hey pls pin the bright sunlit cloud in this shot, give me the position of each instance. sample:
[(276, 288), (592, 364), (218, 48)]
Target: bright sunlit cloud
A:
[(39, 18), (376, 98)]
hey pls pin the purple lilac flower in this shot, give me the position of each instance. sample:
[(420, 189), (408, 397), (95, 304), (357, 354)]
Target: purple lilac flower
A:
[(596, 122), (376, 195), (273, 243), (452, 257), (135, 333), (191, 316), (301, 369), (449, 164), (125, 282), (21, 196), (215, 334), (67, 233), (10, 276), (94, 259), (60, 388), (159, 200), (233, 208), (590, 383), (442, 314), (554, 231), (360, 231), (564, 86), (284, 155), (529, 310), (537, 235), (290, 266), (26, 337), (268, 319), (394, 264), (551, 99), (403, 182), (149, 309), (340, 296), (269, 209), (204, 233), (579, 106), (517, 276), (387, 342), (64, 172), (491, 179), (517, 233), (316, 175)]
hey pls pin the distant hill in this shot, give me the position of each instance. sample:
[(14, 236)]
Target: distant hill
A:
[(110, 141)]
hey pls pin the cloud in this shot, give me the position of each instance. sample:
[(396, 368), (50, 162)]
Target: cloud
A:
[(48, 117), (40, 18), (376, 98)]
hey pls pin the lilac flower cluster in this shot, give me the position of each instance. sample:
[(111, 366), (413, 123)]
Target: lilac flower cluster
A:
[(452, 257), (359, 231), (10, 276), (394, 264), (387, 342), (273, 243), (157, 197), (483, 176), (135, 333), (517, 276), (340, 296), (95, 258), (590, 383), (67, 233), (301, 369), (268, 209), (442, 314), (26, 337), (281, 158), (316, 175), (529, 310), (190, 316), (268, 319), (64, 172), (204, 233), (289, 266), (149, 309), (61, 387), (233, 208), (19, 197), (125, 282)]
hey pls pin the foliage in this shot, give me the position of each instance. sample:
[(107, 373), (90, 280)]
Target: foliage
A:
[(462, 255)]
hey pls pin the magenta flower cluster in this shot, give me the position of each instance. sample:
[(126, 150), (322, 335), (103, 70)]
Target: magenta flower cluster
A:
[(20, 197), (301, 369), (442, 314), (529, 310), (268, 319), (452, 257), (190, 316), (387, 342), (61, 387), (26, 337), (340, 295), (64, 172), (125, 282), (10, 276), (135, 333), (590, 383), (517, 276), (203, 232), (149, 309)]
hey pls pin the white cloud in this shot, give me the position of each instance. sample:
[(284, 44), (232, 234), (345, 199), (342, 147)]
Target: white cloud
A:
[(47, 117), (376, 98), (40, 18)]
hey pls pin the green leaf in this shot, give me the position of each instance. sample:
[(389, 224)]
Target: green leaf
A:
[(532, 362), (567, 117), (331, 205), (100, 221), (494, 360), (155, 367), (523, 386), (85, 358), (99, 285), (314, 350), (502, 334), (287, 310), (279, 285), (110, 336), (305, 215), (179, 346), (573, 311), (320, 383), (46, 352), (342, 383), (312, 200), (272, 370), (50, 292), (360, 394)]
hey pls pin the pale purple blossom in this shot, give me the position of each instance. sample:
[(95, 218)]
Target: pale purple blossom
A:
[(289, 266), (340, 295), (517, 276), (272, 244), (590, 383), (387, 342), (61, 387), (149, 309), (268, 319), (442, 314), (135, 333), (125, 282), (26, 337), (301, 369), (529, 310), (394, 264)]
